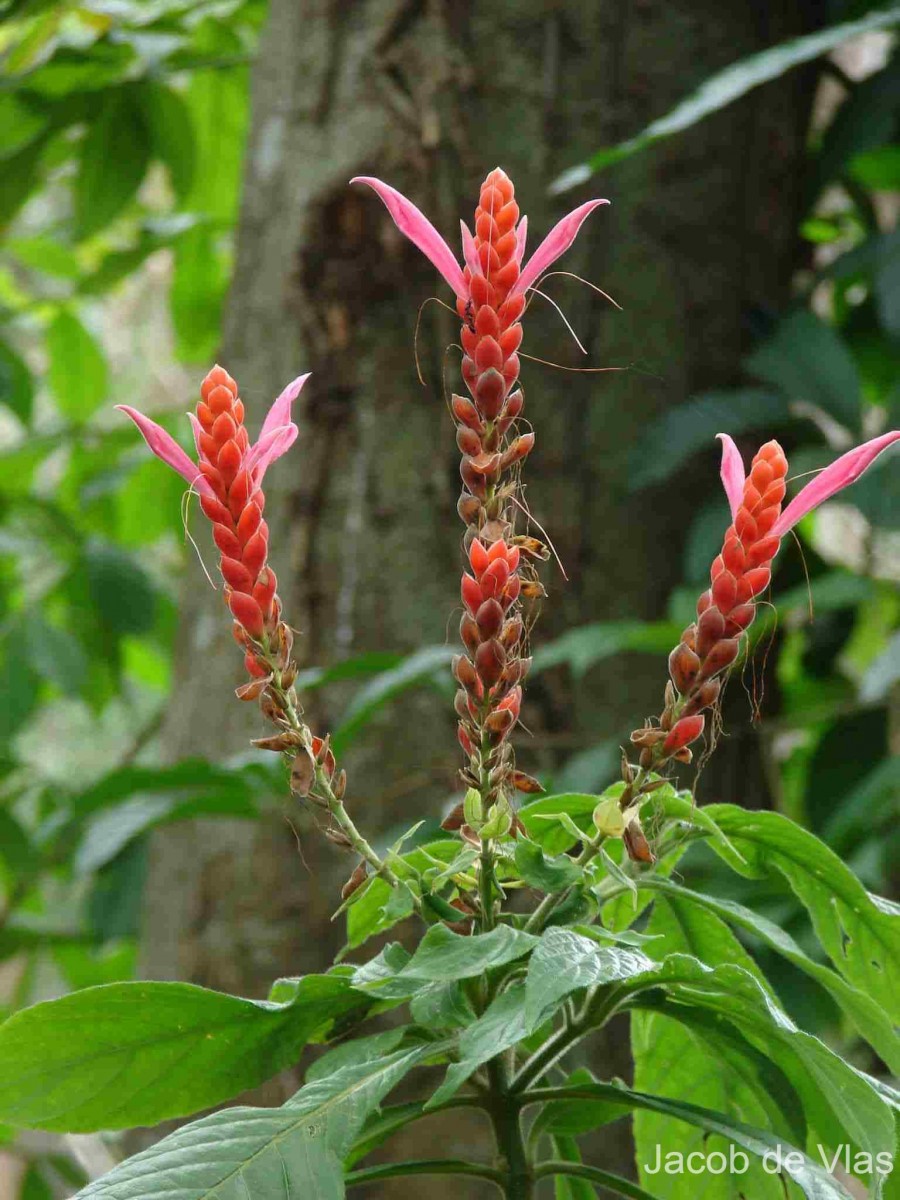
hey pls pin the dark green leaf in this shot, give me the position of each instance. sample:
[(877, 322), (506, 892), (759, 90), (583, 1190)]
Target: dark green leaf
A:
[(56, 655), (866, 119), (681, 432), (16, 386), (168, 123), (581, 648), (114, 158), (117, 893), (120, 589), (21, 175), (729, 85), (547, 874), (138, 1053), (808, 360), (417, 669), (77, 367)]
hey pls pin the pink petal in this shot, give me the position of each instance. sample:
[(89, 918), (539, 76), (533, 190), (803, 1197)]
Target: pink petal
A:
[(521, 234), (556, 243), (269, 447), (732, 473), (197, 430), (166, 448), (279, 414), (846, 470), (470, 254), (415, 225)]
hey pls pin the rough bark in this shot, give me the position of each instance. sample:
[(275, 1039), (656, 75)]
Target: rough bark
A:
[(430, 96)]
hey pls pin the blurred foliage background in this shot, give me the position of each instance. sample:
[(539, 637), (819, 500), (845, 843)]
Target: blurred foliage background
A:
[(122, 134)]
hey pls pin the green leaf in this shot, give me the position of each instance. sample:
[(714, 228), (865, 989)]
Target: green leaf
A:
[(120, 589), (877, 169), (20, 123), (442, 1006), (218, 103), (369, 915), (18, 854), (129, 1054), (871, 1022), (576, 1117), (77, 367), (357, 1052), (861, 937), (445, 955), (812, 1179), (581, 648), (711, 1063), (566, 961), (264, 1153), (570, 1187), (56, 655), (547, 874), (729, 85), (108, 832), (810, 362), (502, 1025), (197, 298), (16, 385), (21, 179), (168, 122), (47, 255), (35, 1186), (681, 432), (867, 119), (839, 1102), (557, 822), (417, 669), (114, 158)]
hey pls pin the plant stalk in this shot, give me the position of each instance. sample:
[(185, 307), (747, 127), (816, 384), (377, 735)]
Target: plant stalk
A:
[(515, 1169)]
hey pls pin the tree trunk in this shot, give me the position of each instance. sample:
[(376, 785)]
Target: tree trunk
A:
[(430, 96)]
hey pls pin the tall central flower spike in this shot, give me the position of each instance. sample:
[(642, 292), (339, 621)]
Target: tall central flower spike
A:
[(725, 611), (229, 481), (491, 285)]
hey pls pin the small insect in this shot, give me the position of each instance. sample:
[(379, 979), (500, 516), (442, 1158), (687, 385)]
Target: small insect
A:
[(469, 316)]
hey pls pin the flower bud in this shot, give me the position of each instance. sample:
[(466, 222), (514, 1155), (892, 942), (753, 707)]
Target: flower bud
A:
[(636, 844), (685, 731), (303, 772), (683, 667), (722, 655), (608, 818), (473, 809)]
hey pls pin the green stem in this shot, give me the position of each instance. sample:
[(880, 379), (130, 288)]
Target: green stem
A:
[(425, 1166), (615, 1183), (486, 886), (505, 1114), (287, 700)]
